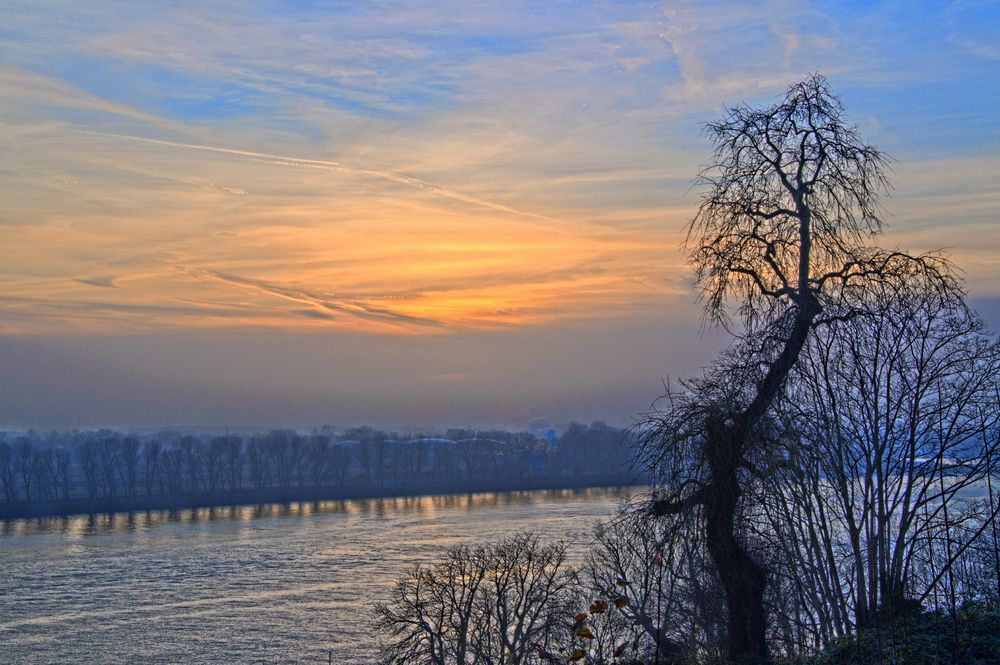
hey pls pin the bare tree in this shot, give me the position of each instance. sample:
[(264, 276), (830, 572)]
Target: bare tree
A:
[(48, 472), (64, 463), (87, 454), (234, 458), (172, 469), (26, 461), (130, 461), (894, 424), (257, 460), (7, 474), (653, 574), (192, 457), (152, 474), (524, 600), (214, 455), (373, 458), (784, 229), (109, 459), (317, 457), (340, 462), (484, 604)]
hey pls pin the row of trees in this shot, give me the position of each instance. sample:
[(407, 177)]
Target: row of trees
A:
[(32, 472), (111, 464)]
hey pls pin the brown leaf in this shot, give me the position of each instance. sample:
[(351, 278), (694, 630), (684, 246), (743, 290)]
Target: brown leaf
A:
[(620, 650), (585, 633), (578, 654), (598, 606), (621, 601)]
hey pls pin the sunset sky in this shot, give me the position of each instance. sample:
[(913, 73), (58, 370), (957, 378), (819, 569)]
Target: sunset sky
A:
[(423, 214)]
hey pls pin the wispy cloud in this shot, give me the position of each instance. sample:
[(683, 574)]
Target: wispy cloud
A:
[(434, 167), (106, 281), (327, 304), (337, 167)]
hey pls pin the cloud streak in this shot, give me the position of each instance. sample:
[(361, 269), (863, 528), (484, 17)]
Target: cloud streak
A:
[(500, 166), (327, 304), (107, 281), (337, 167)]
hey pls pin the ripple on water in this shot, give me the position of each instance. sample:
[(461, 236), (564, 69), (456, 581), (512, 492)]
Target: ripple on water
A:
[(282, 583)]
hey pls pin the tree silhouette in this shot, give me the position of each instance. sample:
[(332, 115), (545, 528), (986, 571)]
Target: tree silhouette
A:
[(784, 230)]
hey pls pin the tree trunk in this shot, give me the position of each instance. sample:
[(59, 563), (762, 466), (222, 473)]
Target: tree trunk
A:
[(743, 579)]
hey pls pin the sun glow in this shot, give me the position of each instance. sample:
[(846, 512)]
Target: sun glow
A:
[(236, 238)]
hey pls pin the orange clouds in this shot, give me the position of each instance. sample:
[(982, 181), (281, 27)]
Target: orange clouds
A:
[(164, 235)]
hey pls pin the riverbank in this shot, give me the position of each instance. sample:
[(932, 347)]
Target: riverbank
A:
[(141, 503)]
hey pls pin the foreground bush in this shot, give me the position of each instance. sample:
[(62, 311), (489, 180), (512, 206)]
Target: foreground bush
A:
[(930, 637)]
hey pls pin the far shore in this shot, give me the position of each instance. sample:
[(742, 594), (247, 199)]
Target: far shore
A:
[(141, 503)]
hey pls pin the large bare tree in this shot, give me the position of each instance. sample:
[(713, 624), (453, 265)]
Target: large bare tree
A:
[(783, 239)]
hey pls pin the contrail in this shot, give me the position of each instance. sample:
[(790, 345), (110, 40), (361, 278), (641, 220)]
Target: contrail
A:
[(322, 301), (299, 162)]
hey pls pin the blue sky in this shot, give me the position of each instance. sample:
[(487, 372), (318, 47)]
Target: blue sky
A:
[(429, 183)]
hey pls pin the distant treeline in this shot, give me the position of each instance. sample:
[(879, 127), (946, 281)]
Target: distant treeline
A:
[(105, 464)]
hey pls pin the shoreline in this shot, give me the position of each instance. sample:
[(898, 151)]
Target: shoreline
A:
[(25, 510)]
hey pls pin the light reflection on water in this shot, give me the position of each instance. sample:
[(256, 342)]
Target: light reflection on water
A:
[(278, 583)]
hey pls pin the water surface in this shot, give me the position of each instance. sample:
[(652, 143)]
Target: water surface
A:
[(281, 583)]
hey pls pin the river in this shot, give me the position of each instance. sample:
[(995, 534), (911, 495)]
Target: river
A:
[(280, 583)]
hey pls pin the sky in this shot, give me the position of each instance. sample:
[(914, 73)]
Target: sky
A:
[(424, 214)]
